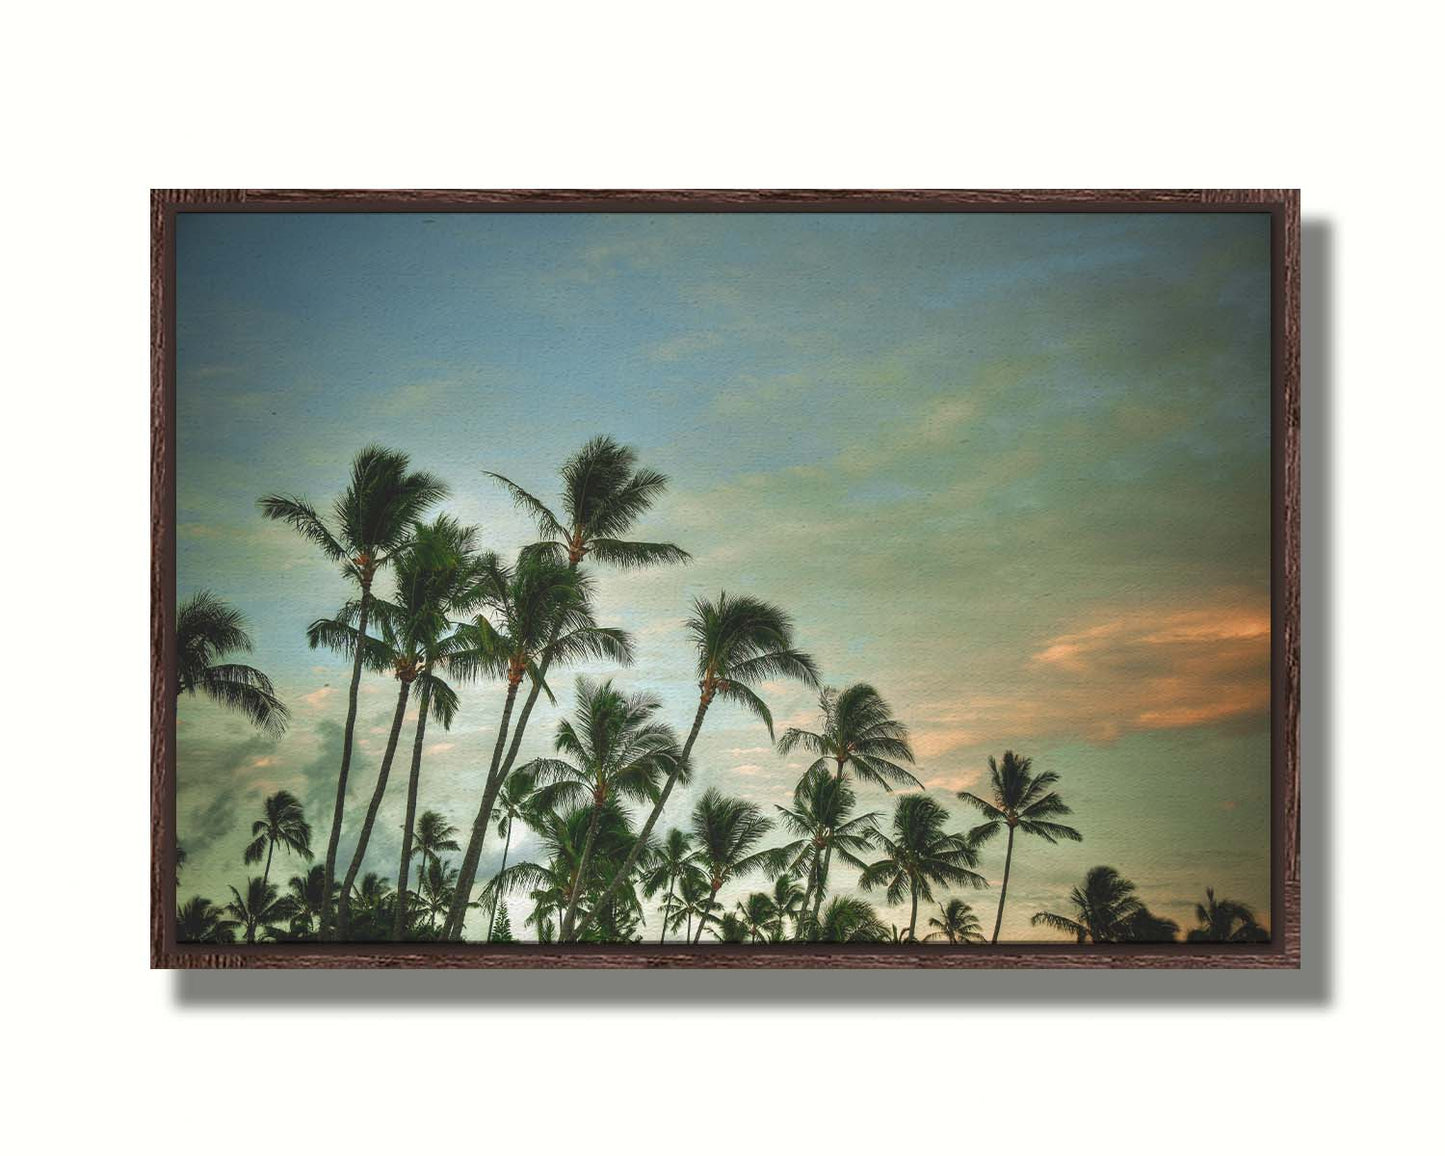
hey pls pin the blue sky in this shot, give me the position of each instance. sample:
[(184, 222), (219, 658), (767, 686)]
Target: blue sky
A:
[(1010, 468)]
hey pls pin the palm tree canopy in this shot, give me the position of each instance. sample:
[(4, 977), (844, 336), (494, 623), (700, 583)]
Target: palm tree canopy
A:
[(1022, 799), (431, 835), (283, 824), (208, 629), (1225, 921), (820, 816), (371, 520), (259, 908), (603, 495), (1101, 908), (198, 920), (917, 853), (727, 830), (958, 925), (850, 920), (742, 641), (859, 731)]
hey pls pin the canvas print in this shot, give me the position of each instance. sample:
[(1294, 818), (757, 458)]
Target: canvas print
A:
[(690, 578)]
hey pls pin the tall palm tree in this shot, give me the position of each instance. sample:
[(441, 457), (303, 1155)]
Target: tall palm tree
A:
[(1023, 801), (538, 604), (198, 920), (207, 630), (788, 899), (917, 853), (307, 893), (1101, 909), (758, 914), (621, 752), (958, 925), (371, 521), (259, 911), (436, 576), (283, 822), (727, 830), (739, 640), (513, 803), (822, 804), (1225, 921), (603, 494), (850, 920), (672, 860)]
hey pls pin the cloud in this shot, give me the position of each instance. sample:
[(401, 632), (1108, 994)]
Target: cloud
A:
[(438, 748), (318, 696)]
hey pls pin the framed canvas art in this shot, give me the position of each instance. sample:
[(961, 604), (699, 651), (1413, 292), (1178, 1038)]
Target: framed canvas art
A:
[(725, 579)]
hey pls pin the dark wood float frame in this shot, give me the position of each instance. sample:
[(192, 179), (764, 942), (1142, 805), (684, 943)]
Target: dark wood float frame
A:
[(1282, 205)]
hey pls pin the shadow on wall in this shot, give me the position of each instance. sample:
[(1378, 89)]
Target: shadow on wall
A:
[(1311, 986)]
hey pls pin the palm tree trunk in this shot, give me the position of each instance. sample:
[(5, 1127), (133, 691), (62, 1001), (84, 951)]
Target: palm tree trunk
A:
[(343, 914), (266, 874), (1003, 891), (667, 907), (913, 916), (702, 920), (626, 869), (457, 916), (497, 899), (335, 837), (398, 924), (570, 916), (827, 856)]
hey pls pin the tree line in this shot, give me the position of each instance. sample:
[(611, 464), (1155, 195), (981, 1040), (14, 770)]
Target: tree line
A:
[(456, 615)]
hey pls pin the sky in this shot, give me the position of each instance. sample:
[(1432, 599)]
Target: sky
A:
[(1011, 469)]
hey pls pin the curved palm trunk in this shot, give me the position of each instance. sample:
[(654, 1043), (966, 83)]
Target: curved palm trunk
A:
[(343, 912), (570, 916), (1003, 891), (334, 838), (266, 874), (497, 901), (626, 869), (702, 919), (913, 916), (398, 923), (457, 916)]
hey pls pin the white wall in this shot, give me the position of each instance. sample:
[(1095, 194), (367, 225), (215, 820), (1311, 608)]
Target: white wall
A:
[(105, 103)]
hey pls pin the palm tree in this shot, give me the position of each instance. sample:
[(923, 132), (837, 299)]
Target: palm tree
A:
[(538, 605), (431, 835), (603, 495), (758, 915), (1225, 921), (672, 860), (198, 920), (788, 900), (1146, 927), (739, 640), (850, 920), (281, 822), (694, 900), (438, 886), (731, 928), (371, 521), (917, 854), (307, 893), (822, 803), (958, 925), (727, 830), (1102, 909), (621, 752), (259, 911), (513, 803), (1021, 801), (436, 576), (207, 630)]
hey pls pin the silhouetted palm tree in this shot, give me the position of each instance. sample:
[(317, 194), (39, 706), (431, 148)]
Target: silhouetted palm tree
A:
[(758, 915), (1225, 921), (726, 831), (850, 920), (371, 521), (822, 804), (512, 804), (198, 920), (207, 630), (917, 853), (672, 859), (739, 640), (537, 605), (306, 893), (259, 911), (958, 925), (1102, 908), (621, 752), (788, 899), (730, 928), (283, 822), (1146, 927), (1021, 801)]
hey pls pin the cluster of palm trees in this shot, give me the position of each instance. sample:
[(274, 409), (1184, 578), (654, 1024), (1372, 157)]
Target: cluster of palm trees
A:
[(455, 614)]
